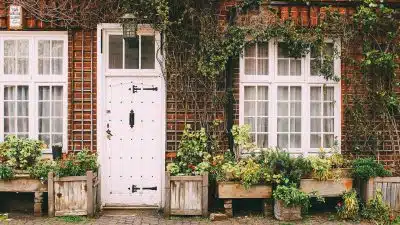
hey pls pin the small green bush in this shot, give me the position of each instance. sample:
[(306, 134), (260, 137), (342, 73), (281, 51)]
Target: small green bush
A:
[(41, 169), (6, 172), (77, 164), (365, 168), (291, 196), (377, 210), (349, 208)]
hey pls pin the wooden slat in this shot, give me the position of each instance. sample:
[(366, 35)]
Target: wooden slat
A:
[(387, 179), (167, 207), (204, 190), (231, 190), (77, 178), (187, 178), (50, 198), (22, 184), (329, 188), (89, 186)]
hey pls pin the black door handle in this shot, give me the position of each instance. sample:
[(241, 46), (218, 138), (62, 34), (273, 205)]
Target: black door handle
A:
[(131, 119)]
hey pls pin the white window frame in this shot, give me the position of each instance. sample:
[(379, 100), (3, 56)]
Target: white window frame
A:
[(305, 81), (143, 30), (33, 80)]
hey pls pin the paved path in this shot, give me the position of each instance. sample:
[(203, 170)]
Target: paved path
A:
[(156, 219)]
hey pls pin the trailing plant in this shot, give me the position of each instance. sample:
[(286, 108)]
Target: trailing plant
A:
[(349, 208), (77, 164), (21, 153), (41, 169), (291, 196), (365, 168), (377, 210), (6, 172)]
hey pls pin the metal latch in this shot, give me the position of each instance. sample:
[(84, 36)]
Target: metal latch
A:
[(135, 89), (134, 188), (150, 188)]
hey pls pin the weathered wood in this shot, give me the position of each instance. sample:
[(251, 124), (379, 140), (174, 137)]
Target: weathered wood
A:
[(232, 190), (329, 188), (390, 188), (72, 178), (22, 184), (89, 186), (186, 196), (50, 182)]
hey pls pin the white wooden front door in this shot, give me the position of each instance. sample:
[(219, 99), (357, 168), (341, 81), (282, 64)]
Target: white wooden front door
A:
[(134, 130)]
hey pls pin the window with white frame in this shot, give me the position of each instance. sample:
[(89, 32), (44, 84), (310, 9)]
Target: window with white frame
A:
[(289, 108), (33, 86)]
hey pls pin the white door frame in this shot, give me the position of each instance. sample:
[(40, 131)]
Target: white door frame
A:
[(101, 90)]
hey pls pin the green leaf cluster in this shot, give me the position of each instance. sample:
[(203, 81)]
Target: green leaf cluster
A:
[(365, 168), (291, 196), (6, 172), (377, 210), (42, 168), (349, 209), (75, 164)]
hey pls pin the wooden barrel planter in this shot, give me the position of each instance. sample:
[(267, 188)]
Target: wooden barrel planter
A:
[(23, 183), (390, 187), (284, 213), (186, 195), (72, 196), (328, 188), (234, 190)]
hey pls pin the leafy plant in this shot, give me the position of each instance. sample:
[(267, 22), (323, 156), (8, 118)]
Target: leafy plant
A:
[(365, 168), (77, 164), (6, 172), (41, 169), (291, 196), (321, 168), (349, 208), (21, 153), (377, 210)]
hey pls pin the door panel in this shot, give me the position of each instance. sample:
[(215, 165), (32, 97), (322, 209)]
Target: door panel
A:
[(134, 153)]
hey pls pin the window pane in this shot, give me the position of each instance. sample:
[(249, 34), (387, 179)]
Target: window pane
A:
[(283, 93), (315, 94), (283, 124), (314, 52), (328, 140), (23, 48), (249, 93), (328, 125), (148, 52), (9, 65), (262, 108), (249, 108), (57, 66), (295, 93), (283, 67), (315, 109), (115, 52), (56, 125), (315, 141), (57, 93), (250, 50), (9, 48), (23, 93), (132, 53), (328, 109), (56, 139), (44, 93), (295, 67), (44, 48), (250, 66), (262, 92), (44, 109), (295, 141), (251, 122), (328, 94), (262, 49), (295, 125), (295, 109), (57, 48), (9, 108), (315, 125), (22, 108), (23, 124), (314, 67), (262, 140), (44, 125), (57, 109), (283, 140), (9, 125), (283, 109), (262, 67), (22, 66), (9, 93), (45, 138), (282, 52), (329, 49), (44, 66), (262, 125)]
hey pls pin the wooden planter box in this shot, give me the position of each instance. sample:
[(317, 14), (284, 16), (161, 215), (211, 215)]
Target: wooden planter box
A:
[(186, 195), (72, 196), (23, 183), (286, 213), (390, 187), (235, 190), (328, 188)]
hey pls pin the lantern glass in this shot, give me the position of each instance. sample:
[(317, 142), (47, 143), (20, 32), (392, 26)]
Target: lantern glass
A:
[(129, 30)]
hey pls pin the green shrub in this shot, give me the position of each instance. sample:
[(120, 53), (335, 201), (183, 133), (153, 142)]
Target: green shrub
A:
[(291, 196), (349, 208), (365, 168), (6, 172), (377, 210), (21, 153), (77, 164), (41, 169)]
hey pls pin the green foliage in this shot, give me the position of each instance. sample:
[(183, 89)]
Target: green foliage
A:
[(77, 164), (291, 196), (21, 153), (349, 208), (377, 210), (41, 169), (365, 168), (321, 168), (73, 219), (6, 172)]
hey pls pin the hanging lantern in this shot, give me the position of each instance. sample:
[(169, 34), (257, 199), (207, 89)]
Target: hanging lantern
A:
[(129, 26)]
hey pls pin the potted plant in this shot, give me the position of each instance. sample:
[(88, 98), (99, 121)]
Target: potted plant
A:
[(56, 150), (289, 203)]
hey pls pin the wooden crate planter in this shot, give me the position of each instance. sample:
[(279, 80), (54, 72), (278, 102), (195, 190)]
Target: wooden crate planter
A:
[(23, 183), (328, 188), (74, 196), (284, 213), (233, 190), (186, 195), (390, 187)]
